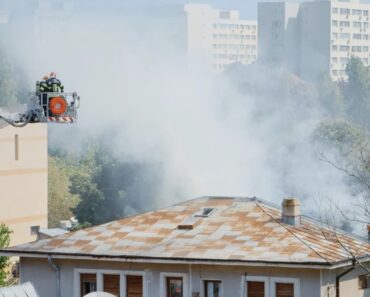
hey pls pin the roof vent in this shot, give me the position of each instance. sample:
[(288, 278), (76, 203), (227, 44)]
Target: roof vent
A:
[(291, 214), (204, 213), (188, 224)]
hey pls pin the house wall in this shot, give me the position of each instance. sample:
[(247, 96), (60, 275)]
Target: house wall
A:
[(23, 180), (43, 277), (348, 286)]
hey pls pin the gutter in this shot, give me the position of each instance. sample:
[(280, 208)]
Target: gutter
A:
[(167, 260), (56, 268), (338, 277)]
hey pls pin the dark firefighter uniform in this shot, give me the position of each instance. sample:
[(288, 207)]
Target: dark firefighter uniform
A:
[(55, 85), (43, 89)]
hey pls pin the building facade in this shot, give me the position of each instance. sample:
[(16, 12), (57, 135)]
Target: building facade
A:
[(315, 37), (206, 247), (219, 37), (23, 180)]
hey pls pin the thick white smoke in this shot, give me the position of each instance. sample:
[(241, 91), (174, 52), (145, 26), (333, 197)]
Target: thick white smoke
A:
[(133, 77)]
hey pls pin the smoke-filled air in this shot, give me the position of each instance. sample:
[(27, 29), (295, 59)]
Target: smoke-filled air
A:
[(155, 129)]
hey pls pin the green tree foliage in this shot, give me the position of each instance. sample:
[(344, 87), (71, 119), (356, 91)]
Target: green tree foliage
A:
[(107, 187), (357, 92), (4, 261), (330, 96), (61, 200), (340, 135)]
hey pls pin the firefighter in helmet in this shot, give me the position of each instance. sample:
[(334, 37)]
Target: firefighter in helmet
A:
[(54, 84), (43, 89)]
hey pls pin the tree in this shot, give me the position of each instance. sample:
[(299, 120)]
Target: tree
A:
[(357, 92), (4, 261), (60, 201), (110, 188), (330, 96)]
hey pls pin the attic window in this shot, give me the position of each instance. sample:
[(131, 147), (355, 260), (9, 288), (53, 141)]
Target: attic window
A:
[(204, 213)]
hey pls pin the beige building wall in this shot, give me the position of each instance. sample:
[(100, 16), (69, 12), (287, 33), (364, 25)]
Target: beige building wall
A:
[(23, 180), (219, 37)]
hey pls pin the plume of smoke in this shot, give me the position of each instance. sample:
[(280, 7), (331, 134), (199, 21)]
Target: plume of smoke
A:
[(211, 139)]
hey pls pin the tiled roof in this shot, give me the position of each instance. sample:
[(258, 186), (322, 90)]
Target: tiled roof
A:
[(237, 230)]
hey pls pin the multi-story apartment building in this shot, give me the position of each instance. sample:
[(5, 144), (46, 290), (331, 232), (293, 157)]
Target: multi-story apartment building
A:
[(220, 37), (315, 37), (23, 180)]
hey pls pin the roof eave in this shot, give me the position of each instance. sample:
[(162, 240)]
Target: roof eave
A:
[(172, 260)]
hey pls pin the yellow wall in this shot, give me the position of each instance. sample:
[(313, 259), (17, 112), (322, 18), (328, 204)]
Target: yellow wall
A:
[(23, 182)]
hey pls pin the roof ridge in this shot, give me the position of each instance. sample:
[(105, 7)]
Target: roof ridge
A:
[(301, 240)]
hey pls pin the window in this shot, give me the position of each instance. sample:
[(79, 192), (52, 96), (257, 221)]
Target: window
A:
[(345, 11), (334, 48), (334, 10), (366, 25), (335, 35), (357, 49), (334, 60), (365, 49), (366, 13), (357, 36), (357, 12), (175, 284), (255, 289), (345, 36), (344, 48), (111, 284), (365, 37), (285, 287), (116, 282), (257, 286), (212, 288), (335, 23), (174, 287), (345, 23), (134, 286), (357, 24), (87, 283), (284, 290)]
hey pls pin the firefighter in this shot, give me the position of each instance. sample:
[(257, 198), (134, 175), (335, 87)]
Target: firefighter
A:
[(43, 90), (54, 84)]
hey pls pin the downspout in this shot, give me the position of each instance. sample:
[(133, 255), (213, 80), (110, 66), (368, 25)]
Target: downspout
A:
[(337, 279), (56, 268)]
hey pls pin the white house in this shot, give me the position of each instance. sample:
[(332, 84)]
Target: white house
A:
[(211, 246)]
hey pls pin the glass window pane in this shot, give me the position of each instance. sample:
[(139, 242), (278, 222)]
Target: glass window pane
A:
[(174, 287), (111, 284), (87, 283), (256, 289), (212, 288)]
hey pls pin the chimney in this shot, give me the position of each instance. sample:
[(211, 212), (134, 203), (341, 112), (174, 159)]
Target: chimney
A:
[(291, 214)]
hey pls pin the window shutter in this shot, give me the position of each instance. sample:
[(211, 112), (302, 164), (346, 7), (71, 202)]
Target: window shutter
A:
[(284, 290), (256, 289), (134, 285), (111, 284)]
